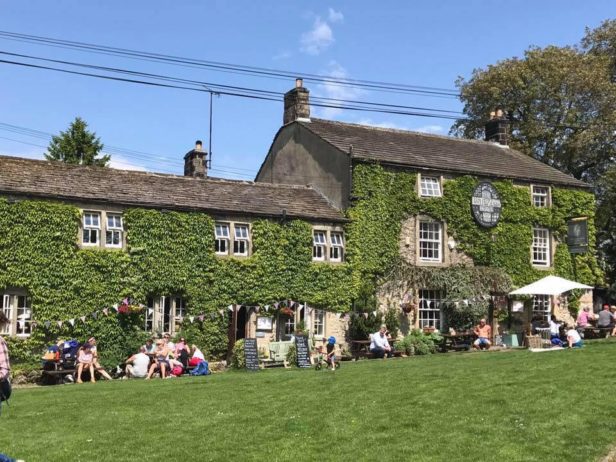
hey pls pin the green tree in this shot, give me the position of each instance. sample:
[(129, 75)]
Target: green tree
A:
[(77, 145), (561, 102)]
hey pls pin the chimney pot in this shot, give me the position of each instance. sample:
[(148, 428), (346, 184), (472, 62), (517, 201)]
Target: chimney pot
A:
[(195, 161), (296, 104)]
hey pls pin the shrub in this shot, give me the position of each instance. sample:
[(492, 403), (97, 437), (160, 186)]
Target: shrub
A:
[(418, 343), (292, 355), (238, 361), (360, 328)]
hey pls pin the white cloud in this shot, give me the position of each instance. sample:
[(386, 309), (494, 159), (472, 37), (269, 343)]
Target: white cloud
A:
[(318, 38), (335, 91), (335, 16), (434, 129), (121, 163)]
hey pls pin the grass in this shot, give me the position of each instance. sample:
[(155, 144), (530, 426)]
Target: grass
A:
[(510, 406)]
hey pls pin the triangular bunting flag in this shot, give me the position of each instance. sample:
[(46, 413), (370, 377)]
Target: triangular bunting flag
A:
[(95, 314), (83, 319), (150, 310), (21, 323), (231, 307), (222, 312), (59, 323), (338, 315), (47, 324), (374, 313), (106, 311), (115, 307), (72, 321), (366, 315), (257, 309), (276, 305), (213, 315), (201, 318), (191, 319)]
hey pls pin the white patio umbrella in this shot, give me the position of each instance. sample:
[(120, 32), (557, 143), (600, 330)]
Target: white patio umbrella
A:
[(549, 285)]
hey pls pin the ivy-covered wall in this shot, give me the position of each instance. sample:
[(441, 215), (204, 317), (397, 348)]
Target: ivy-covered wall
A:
[(168, 253), (386, 197)]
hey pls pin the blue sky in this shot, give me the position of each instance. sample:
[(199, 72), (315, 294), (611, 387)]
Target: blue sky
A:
[(419, 43)]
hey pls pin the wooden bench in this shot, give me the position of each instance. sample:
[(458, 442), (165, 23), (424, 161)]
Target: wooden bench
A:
[(59, 375), (596, 332)]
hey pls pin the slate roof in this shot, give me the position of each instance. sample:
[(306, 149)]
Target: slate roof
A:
[(45, 179), (439, 153)]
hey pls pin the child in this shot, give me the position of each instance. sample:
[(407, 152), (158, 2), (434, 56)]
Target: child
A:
[(331, 355), (85, 359)]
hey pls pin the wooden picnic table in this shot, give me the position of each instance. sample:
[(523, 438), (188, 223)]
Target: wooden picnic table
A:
[(361, 348), (457, 342)]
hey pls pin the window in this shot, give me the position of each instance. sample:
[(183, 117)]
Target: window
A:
[(430, 186), (541, 306), (222, 239), (17, 308), (289, 325), (114, 230), (91, 228), (336, 251), (541, 247), (430, 241), (430, 308), (164, 314), (240, 243), (541, 196), (318, 323), (319, 246)]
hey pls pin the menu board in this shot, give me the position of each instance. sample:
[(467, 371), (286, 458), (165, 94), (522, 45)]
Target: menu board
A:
[(303, 352), (251, 355)]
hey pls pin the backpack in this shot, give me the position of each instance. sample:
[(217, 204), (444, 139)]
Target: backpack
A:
[(177, 371), (202, 368)]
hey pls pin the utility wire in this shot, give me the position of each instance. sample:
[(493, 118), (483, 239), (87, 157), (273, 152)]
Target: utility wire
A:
[(227, 67)]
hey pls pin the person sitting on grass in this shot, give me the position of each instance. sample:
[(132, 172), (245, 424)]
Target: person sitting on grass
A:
[(161, 360), (181, 352), (379, 345), (137, 365), (92, 343), (85, 360), (573, 339), (483, 332), (555, 332), (197, 357), (149, 346)]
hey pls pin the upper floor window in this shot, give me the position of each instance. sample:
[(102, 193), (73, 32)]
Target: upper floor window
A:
[(336, 251), (430, 241), (541, 196), (319, 245), (232, 237), (541, 247), (114, 230), (240, 242), (18, 309), (222, 238), (430, 186), (95, 225), (91, 228)]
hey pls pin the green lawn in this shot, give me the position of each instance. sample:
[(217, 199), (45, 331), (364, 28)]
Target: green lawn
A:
[(495, 406)]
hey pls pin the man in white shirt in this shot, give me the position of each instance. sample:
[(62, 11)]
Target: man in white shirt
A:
[(137, 365), (573, 339), (379, 345)]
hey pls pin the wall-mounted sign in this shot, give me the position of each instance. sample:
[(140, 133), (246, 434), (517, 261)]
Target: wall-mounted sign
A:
[(486, 205), (577, 235), (264, 323)]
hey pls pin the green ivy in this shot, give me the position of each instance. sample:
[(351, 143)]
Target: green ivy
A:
[(386, 197), (168, 253)]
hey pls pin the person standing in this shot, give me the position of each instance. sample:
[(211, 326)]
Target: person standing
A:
[(379, 345), (5, 365)]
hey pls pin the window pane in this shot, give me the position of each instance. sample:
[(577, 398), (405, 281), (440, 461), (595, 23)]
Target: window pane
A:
[(429, 241), (430, 308), (241, 232), (430, 186), (541, 306), (222, 230), (541, 247)]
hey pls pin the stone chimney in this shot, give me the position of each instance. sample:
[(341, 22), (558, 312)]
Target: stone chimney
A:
[(296, 104), (195, 161), (497, 128)]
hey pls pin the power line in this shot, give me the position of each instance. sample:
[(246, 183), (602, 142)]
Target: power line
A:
[(227, 67)]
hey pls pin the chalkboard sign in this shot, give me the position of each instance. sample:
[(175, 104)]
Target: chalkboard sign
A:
[(303, 352), (251, 355)]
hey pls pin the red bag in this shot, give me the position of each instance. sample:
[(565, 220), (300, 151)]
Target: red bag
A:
[(177, 371), (194, 362)]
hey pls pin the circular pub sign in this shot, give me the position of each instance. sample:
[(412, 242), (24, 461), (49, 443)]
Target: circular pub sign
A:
[(486, 205)]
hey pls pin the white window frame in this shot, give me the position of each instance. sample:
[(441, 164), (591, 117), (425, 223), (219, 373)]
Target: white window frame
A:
[(430, 312), (336, 250), (114, 230), (241, 239), (318, 323), (220, 237), (541, 196), (19, 314), (430, 244), (542, 306), (319, 245), (541, 248), (90, 228), (171, 307), (430, 186)]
